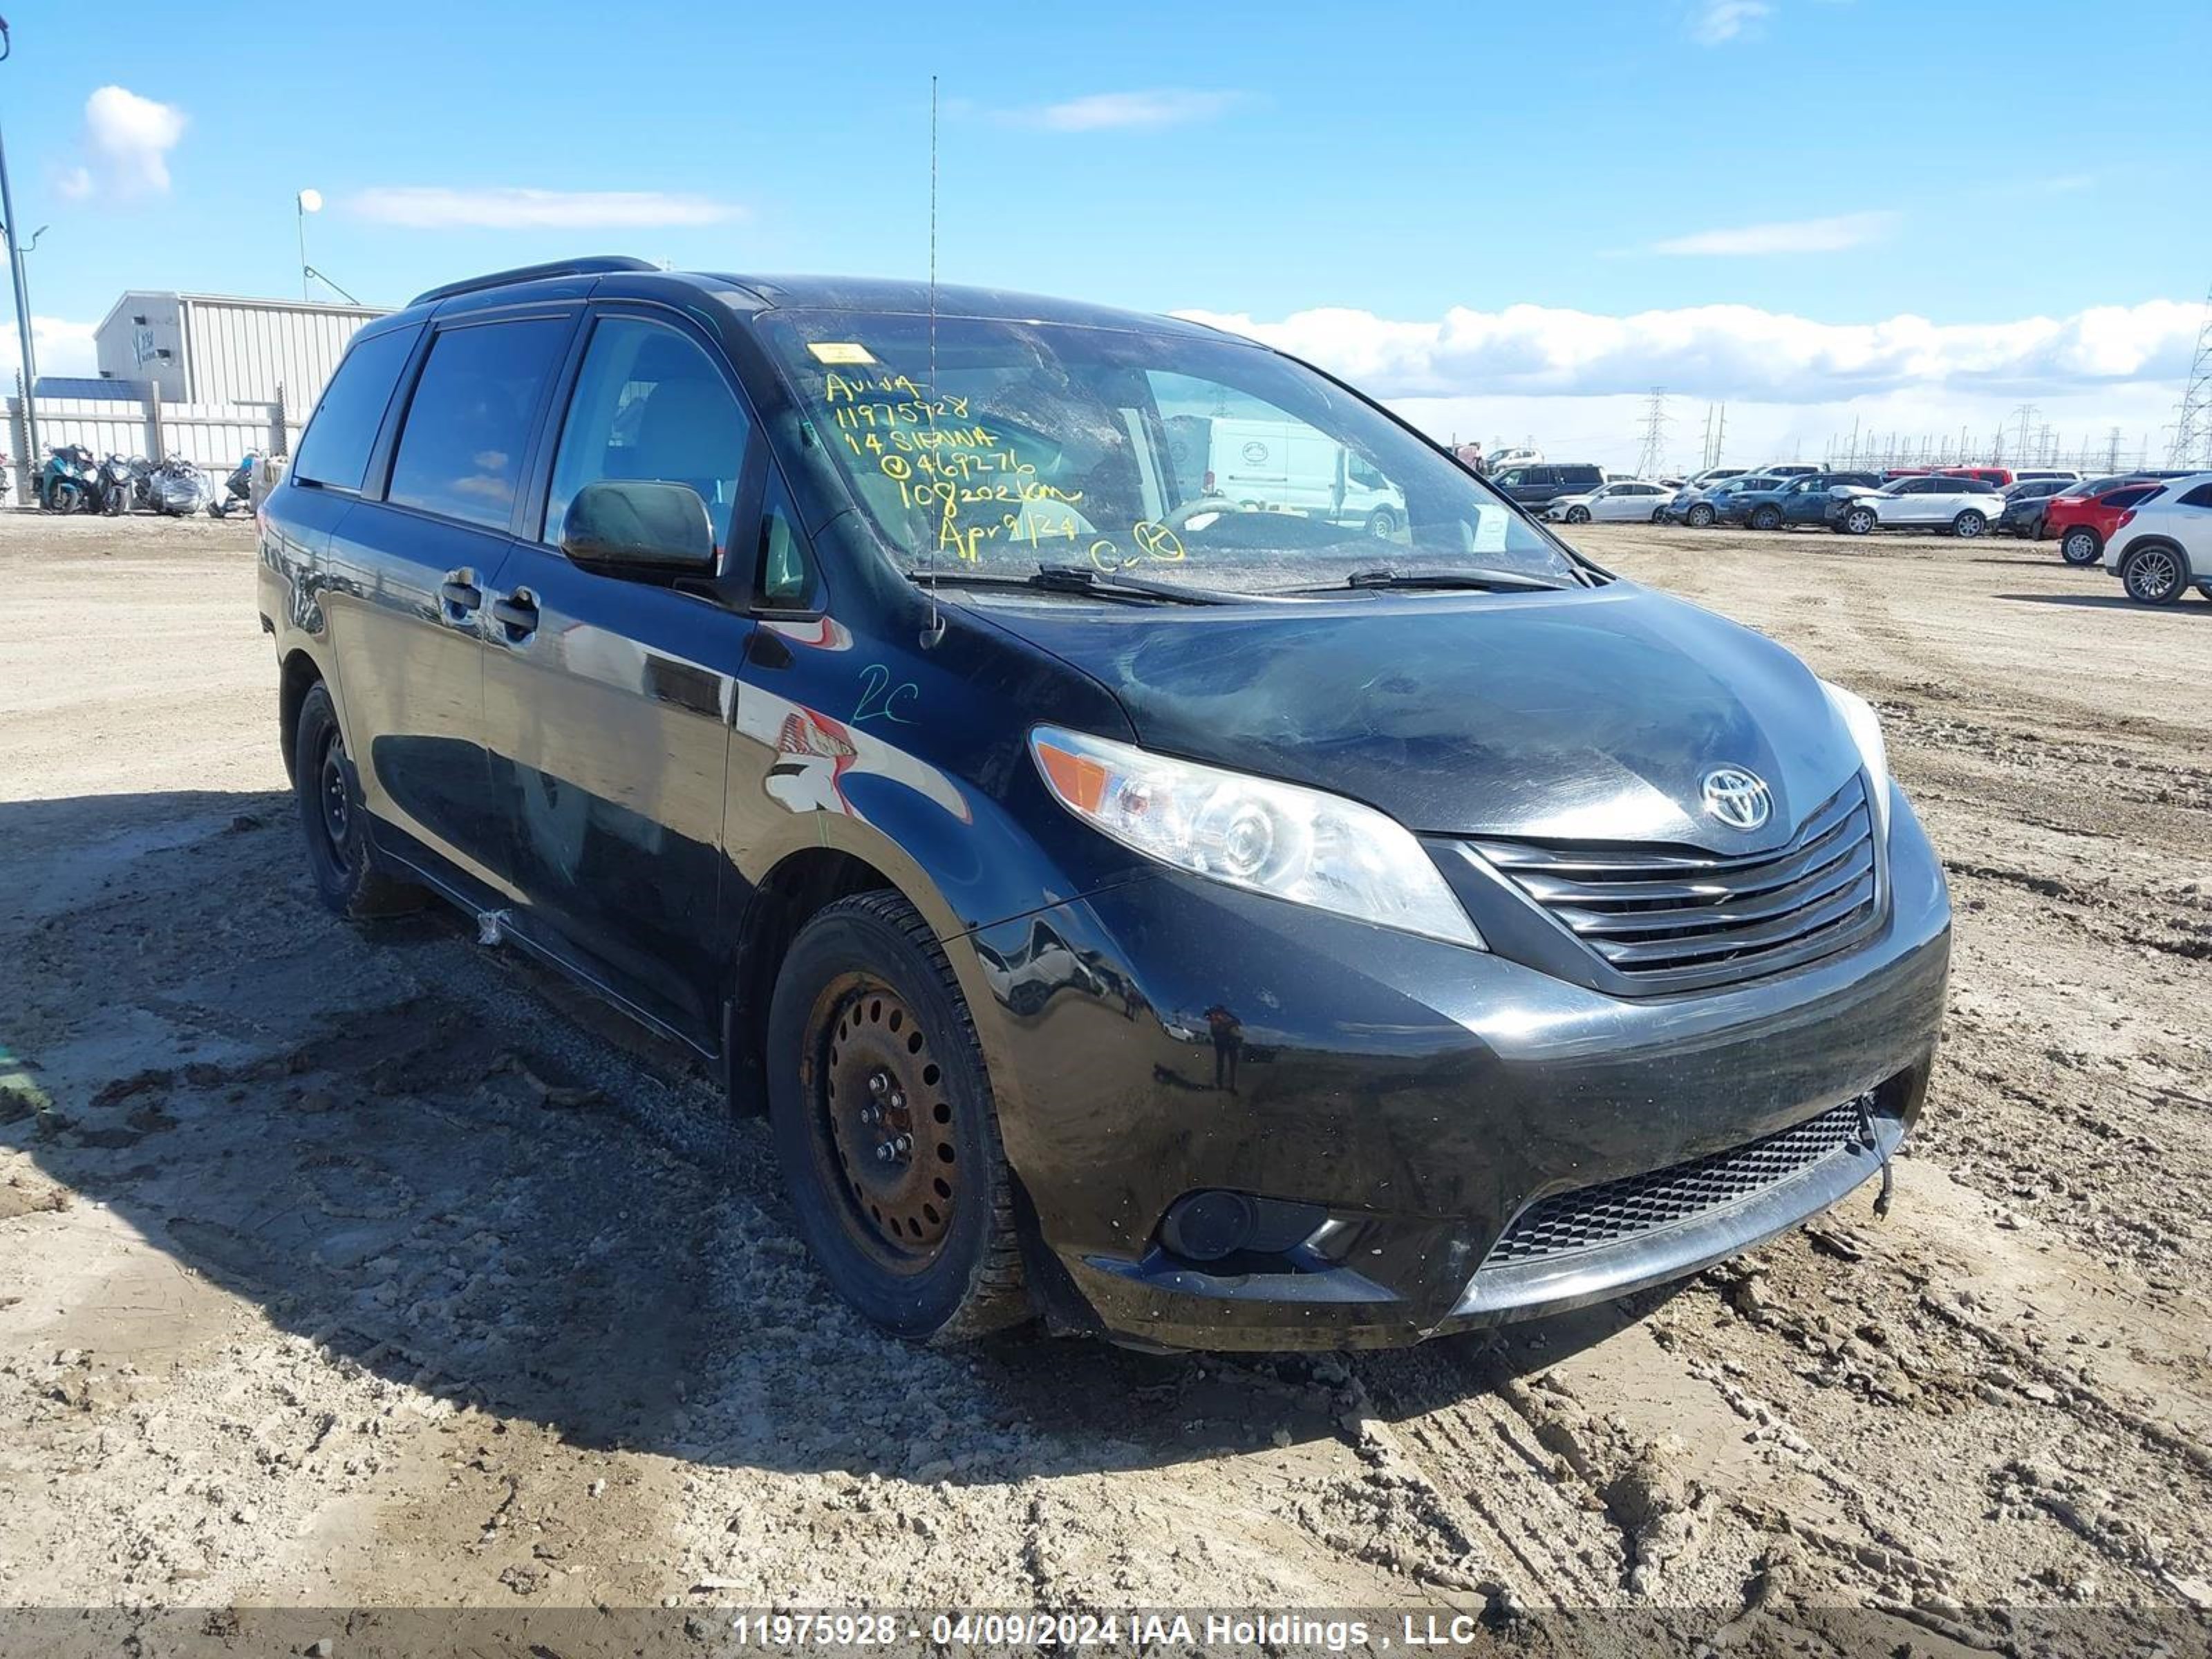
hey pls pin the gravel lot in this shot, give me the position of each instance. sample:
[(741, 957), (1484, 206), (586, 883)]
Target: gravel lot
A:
[(377, 1269)]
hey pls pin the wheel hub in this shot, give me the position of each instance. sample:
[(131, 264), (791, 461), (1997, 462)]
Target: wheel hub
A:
[(889, 1123), (337, 797)]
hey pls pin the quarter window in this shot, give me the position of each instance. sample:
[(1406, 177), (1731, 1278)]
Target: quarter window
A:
[(650, 404), (785, 578), (468, 425), (2200, 496), (334, 449)]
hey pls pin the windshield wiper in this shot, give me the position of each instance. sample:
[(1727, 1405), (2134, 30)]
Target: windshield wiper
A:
[(1079, 578), (1502, 582)]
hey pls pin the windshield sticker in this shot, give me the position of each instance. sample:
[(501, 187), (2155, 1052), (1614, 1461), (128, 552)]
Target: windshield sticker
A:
[(1489, 529), (839, 352)]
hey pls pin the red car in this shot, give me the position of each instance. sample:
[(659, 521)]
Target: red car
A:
[(2083, 523)]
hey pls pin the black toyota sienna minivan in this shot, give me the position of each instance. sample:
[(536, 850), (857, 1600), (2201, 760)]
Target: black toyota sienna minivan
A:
[(1169, 850)]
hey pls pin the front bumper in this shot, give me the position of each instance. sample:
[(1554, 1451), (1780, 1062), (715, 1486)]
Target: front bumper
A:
[(1194, 1038)]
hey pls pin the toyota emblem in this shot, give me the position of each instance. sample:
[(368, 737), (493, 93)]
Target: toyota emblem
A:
[(1738, 799)]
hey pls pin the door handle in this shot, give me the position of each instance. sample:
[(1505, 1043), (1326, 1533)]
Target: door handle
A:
[(517, 613), (459, 594)]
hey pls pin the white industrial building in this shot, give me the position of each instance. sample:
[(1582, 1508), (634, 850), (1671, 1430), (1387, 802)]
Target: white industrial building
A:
[(214, 348), (206, 376)]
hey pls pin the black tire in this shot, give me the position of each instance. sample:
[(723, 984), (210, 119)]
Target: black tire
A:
[(1578, 515), (1766, 518), (1382, 524), (2080, 546), (335, 824), (1658, 515), (2156, 574), (866, 1012), (66, 496), (1699, 515), (1969, 523), (1859, 521)]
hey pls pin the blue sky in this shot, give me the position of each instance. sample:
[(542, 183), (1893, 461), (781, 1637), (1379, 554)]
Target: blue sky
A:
[(1340, 175)]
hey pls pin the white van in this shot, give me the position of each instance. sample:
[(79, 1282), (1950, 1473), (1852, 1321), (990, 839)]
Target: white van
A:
[(1283, 466)]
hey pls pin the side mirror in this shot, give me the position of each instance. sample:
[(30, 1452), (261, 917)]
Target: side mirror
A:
[(624, 525)]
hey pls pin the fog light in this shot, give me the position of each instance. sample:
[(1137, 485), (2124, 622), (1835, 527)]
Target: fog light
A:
[(1207, 1226)]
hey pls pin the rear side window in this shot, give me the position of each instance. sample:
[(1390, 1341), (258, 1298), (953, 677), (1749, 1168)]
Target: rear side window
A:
[(334, 449), (1580, 475), (2200, 496), (461, 451), (2131, 498)]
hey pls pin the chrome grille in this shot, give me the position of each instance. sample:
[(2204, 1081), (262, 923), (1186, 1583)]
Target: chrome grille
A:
[(1682, 917), (1613, 1211)]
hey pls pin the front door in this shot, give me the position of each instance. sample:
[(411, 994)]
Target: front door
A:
[(609, 700)]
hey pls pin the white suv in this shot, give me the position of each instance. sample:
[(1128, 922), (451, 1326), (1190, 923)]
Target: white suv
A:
[(1965, 507), (2163, 547)]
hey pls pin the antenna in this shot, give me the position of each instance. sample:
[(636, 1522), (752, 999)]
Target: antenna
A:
[(935, 630)]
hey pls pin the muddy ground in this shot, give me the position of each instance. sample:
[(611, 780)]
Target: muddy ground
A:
[(344, 1267)]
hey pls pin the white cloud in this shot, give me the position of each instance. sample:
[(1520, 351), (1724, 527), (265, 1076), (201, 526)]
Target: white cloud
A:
[(1731, 351), (62, 348), (1715, 23), (1102, 111), (1829, 235), (435, 207), (127, 141)]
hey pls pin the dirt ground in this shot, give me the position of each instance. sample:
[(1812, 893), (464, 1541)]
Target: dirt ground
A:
[(342, 1268)]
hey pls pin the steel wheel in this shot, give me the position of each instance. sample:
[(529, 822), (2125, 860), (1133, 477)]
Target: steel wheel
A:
[(2153, 575), (883, 1124), (334, 793)]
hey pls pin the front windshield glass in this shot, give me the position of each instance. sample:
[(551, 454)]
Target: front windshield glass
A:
[(1210, 463)]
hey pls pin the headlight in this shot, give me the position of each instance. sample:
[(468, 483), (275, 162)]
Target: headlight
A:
[(1274, 838), (1865, 727)]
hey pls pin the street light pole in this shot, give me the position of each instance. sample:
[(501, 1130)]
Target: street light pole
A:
[(22, 295)]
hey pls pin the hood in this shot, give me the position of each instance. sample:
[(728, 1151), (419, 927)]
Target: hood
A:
[(1588, 715)]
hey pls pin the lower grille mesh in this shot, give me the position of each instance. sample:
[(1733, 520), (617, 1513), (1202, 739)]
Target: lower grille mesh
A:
[(1613, 1211)]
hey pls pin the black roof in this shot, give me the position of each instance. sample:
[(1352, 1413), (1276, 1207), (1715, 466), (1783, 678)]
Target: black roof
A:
[(864, 293)]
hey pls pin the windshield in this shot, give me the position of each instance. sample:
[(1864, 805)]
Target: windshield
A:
[(1177, 459)]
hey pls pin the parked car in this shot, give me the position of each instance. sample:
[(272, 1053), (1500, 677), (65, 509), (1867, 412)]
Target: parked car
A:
[(2162, 547), (1517, 455), (1699, 508), (1636, 501), (2003, 477), (1540, 483), (1965, 507), (816, 668), (2083, 523), (1800, 500), (1713, 475), (1789, 470), (2037, 474), (2025, 504)]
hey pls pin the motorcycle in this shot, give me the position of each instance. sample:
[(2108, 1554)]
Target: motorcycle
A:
[(237, 489), (119, 482), (70, 481), (178, 487)]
